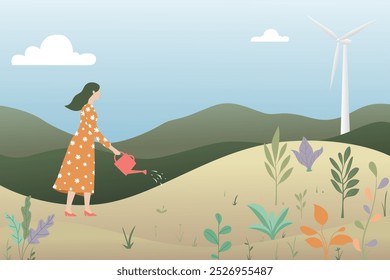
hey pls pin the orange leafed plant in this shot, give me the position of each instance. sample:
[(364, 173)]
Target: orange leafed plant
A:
[(321, 217)]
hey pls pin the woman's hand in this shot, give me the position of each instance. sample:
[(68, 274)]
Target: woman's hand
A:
[(115, 151)]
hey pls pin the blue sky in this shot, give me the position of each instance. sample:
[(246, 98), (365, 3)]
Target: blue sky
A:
[(161, 60)]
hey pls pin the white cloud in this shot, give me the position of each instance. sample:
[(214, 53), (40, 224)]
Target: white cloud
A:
[(54, 50), (270, 36)]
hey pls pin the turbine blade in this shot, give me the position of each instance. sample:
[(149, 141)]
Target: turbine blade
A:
[(324, 28), (356, 30), (335, 62)]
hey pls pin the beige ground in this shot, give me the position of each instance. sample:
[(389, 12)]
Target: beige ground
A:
[(193, 199)]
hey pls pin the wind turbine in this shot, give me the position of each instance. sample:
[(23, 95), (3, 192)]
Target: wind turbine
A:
[(344, 41)]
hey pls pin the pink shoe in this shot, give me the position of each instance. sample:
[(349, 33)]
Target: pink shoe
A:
[(89, 214), (67, 214)]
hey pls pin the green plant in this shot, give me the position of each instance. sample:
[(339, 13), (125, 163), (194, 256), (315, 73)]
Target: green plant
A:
[(339, 253), (32, 255), (214, 238), (235, 200), (370, 212), (343, 177), (384, 205), (162, 210), (321, 217), (270, 225), (276, 255), (22, 234), (8, 248), (300, 197), (128, 244), (250, 248), (294, 252), (275, 165)]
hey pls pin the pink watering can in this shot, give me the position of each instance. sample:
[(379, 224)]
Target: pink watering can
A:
[(126, 163)]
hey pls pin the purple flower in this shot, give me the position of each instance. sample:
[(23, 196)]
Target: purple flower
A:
[(306, 156)]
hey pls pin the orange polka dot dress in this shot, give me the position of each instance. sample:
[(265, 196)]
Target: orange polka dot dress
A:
[(77, 173)]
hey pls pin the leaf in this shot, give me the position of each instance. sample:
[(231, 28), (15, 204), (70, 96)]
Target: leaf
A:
[(347, 153), (218, 217), (359, 224), (261, 228), (341, 239), (341, 229), (352, 183), (268, 156), (280, 220), (336, 186), (352, 174), (41, 230), (316, 155), (367, 209), (314, 242), (367, 192), (282, 151), (372, 243), (304, 204), (269, 170), (340, 158), (356, 245), (286, 175), (211, 236), (335, 165), (225, 230), (304, 193), (15, 227), (352, 192), (308, 230), (214, 256), (349, 165), (260, 213), (275, 143), (284, 163), (320, 215), (225, 246), (376, 218), (299, 157), (297, 197), (373, 169), (383, 183), (336, 176), (26, 217)]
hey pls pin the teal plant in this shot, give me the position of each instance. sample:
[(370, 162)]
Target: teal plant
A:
[(214, 238), (343, 177), (129, 244), (301, 201), (24, 236), (270, 225), (276, 165), (362, 245)]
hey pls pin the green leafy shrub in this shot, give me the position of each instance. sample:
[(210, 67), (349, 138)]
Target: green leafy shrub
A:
[(214, 238), (270, 225)]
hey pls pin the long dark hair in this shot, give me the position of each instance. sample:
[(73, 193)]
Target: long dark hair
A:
[(82, 98)]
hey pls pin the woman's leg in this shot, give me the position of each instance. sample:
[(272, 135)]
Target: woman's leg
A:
[(69, 201), (87, 200)]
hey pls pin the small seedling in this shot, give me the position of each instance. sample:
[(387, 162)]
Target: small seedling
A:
[(301, 203), (235, 200), (306, 156), (362, 246), (384, 205), (128, 244), (32, 255), (343, 177), (339, 253), (276, 172), (162, 210), (250, 248), (321, 217), (195, 242), (214, 238), (180, 236), (8, 248), (270, 224), (294, 253), (276, 256)]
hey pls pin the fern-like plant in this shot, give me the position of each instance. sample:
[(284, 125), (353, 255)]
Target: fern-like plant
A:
[(275, 165), (128, 244), (321, 217), (270, 225), (343, 177), (214, 238)]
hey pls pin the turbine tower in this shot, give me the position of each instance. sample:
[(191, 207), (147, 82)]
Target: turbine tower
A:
[(344, 41)]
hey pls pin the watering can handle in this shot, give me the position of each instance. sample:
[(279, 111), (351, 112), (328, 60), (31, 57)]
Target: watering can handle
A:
[(123, 154)]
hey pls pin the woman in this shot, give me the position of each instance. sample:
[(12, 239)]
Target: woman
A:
[(77, 173)]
